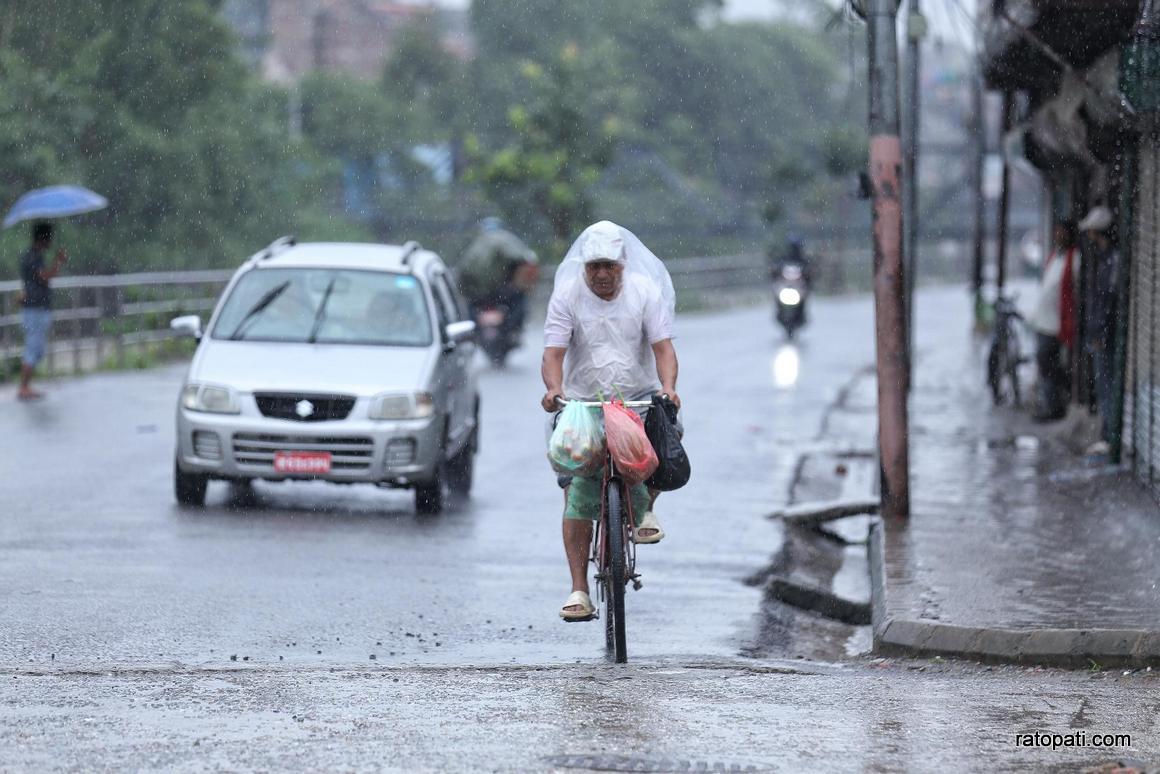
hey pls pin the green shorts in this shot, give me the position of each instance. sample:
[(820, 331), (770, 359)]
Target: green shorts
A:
[(583, 499)]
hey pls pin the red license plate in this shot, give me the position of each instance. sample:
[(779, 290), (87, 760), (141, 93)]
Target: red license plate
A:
[(302, 462)]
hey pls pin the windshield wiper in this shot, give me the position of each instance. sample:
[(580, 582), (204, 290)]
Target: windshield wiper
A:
[(258, 308), (320, 316)]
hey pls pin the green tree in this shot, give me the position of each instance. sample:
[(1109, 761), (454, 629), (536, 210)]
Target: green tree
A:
[(346, 117), (735, 110), (146, 102), (545, 174), (430, 81)]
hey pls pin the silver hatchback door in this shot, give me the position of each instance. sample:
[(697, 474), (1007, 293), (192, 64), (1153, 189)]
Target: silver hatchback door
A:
[(455, 366)]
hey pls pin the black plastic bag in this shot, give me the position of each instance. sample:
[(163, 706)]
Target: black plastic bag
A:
[(660, 425)]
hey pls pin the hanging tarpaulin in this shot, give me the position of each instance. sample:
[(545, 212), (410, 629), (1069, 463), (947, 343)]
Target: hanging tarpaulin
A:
[(1058, 128)]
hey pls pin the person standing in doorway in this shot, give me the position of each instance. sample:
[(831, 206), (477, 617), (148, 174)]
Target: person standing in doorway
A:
[(1055, 322), (36, 300), (1101, 315)]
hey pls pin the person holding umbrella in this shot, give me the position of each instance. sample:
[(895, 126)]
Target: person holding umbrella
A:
[(36, 300), (55, 201)]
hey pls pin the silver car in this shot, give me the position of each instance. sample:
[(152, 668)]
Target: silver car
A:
[(349, 363)]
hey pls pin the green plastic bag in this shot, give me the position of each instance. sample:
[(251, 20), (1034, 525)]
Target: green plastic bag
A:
[(576, 447)]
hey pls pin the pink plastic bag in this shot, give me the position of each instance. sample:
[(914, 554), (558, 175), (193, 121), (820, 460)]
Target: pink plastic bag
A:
[(628, 444)]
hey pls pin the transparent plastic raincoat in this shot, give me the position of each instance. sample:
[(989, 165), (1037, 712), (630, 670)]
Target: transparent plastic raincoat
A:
[(610, 342)]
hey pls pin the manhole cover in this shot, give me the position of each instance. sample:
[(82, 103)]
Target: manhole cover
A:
[(630, 763)]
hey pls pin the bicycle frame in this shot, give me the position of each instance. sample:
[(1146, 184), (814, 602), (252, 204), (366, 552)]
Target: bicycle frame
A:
[(598, 554), (1005, 352), (610, 571), (599, 551)]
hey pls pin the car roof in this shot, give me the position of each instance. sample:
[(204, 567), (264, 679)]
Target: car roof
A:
[(344, 255)]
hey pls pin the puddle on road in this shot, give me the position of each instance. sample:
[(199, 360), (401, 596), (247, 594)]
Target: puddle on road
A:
[(634, 763), (786, 367)]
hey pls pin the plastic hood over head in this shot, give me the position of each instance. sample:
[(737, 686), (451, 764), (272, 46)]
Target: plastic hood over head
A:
[(607, 241)]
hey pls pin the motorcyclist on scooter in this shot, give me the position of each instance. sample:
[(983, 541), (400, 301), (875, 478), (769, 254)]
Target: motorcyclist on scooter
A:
[(794, 254), (792, 267), (498, 269)]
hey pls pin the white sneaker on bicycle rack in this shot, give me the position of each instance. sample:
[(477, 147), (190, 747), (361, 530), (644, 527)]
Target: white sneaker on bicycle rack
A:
[(649, 521)]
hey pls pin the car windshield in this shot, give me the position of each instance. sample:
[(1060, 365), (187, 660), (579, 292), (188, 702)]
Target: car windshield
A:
[(327, 306)]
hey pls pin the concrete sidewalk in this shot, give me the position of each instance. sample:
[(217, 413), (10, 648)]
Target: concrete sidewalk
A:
[(1018, 548)]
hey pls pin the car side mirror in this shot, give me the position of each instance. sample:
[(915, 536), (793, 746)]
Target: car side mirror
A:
[(189, 325), (458, 332)]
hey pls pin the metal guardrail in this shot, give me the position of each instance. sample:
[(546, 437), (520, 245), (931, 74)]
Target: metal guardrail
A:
[(99, 321)]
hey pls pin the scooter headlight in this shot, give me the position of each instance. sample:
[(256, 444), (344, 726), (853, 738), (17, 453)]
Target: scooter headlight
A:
[(789, 296)]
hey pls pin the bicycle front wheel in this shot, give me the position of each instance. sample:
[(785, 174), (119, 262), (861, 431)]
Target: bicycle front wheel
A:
[(996, 368), (614, 576)]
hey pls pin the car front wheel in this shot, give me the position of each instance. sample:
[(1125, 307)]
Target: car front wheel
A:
[(431, 497), (189, 488), (461, 467)]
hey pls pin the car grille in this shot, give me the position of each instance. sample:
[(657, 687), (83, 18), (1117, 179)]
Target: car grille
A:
[(323, 408), (352, 453)]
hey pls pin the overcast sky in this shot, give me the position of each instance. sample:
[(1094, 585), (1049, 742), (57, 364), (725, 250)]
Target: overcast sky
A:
[(945, 18)]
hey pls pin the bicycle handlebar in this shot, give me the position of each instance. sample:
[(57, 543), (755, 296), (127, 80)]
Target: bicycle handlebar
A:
[(591, 403)]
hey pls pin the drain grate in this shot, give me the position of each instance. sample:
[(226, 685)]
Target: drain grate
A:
[(630, 763)]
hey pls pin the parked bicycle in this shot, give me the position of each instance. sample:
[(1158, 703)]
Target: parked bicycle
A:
[(613, 551), (1006, 353)]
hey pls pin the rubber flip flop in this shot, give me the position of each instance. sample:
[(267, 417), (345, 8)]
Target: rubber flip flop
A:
[(648, 522), (586, 612)]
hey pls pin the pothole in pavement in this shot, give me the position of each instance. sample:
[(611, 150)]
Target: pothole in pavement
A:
[(632, 763)]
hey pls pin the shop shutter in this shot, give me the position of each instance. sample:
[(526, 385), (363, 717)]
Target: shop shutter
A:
[(1144, 363)]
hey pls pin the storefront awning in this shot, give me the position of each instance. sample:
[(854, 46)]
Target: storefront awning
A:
[(1028, 43)]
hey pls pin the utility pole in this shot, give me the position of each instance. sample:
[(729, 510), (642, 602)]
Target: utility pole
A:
[(1005, 194), (915, 32), (979, 142), (889, 311)]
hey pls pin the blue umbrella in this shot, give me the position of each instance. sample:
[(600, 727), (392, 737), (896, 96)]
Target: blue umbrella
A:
[(56, 201)]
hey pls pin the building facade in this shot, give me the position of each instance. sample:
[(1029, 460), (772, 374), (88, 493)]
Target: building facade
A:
[(1140, 215), (1084, 76), (286, 39)]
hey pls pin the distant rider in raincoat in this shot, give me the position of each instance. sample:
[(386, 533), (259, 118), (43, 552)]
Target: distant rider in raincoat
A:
[(498, 268)]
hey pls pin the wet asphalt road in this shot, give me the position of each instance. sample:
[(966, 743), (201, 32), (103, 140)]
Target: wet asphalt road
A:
[(120, 613), (320, 574)]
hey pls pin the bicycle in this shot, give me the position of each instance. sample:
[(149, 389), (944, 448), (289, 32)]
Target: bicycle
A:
[(613, 549), (1005, 355)]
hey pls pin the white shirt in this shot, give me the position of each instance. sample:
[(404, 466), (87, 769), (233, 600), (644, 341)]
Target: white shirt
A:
[(1045, 318), (609, 343)]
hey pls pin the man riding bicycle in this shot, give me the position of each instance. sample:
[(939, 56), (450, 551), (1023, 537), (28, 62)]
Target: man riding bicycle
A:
[(609, 329)]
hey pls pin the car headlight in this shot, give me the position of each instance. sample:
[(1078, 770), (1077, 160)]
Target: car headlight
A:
[(210, 398), (411, 405), (789, 296)]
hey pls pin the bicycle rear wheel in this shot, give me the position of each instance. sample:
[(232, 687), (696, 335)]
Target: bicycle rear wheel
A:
[(996, 367), (614, 576), (1014, 358)]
